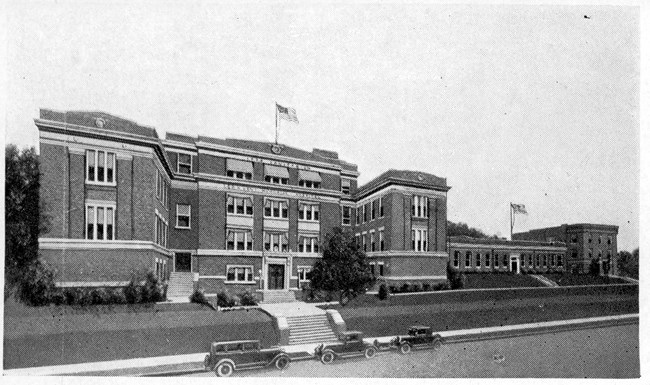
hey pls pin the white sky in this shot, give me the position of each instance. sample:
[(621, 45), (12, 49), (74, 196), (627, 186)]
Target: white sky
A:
[(533, 105)]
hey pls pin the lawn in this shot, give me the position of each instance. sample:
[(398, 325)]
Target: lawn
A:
[(492, 281), (568, 279)]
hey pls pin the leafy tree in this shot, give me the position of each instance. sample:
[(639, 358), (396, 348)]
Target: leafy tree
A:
[(24, 274), (628, 263), (460, 228), (343, 271)]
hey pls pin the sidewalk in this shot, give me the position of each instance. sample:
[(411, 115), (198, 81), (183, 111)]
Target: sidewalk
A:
[(170, 365)]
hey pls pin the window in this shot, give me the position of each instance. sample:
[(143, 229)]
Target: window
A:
[(184, 165), (381, 208), (308, 212), (345, 210), (609, 240), (365, 214), (240, 205), (377, 268), (308, 184), (537, 260), (372, 210), (276, 209), (505, 260), (381, 268), (419, 207), (307, 244), (275, 174), (358, 215), (239, 240), (381, 240), (276, 241), (487, 260), (560, 261), (530, 260), (100, 222), (496, 259), (600, 239), (589, 239), (239, 274), (100, 167), (456, 258), (309, 179), (239, 169), (468, 259), (478, 259), (160, 224), (345, 186), (591, 253), (552, 257), (544, 260), (419, 240), (372, 241), (357, 239), (302, 274), (372, 268), (183, 216), (574, 238), (363, 241)]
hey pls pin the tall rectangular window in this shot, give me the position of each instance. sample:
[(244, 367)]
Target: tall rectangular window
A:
[(372, 241), (496, 259), (365, 213), (363, 241), (345, 212), (381, 208), (183, 216), (487, 259), (419, 240), (100, 167), (239, 274), (184, 165), (100, 222), (456, 258), (372, 210), (358, 216), (381, 240), (308, 244), (345, 186), (276, 241), (468, 259), (419, 207), (478, 259)]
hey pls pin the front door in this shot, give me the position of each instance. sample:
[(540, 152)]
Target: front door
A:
[(183, 262), (276, 277)]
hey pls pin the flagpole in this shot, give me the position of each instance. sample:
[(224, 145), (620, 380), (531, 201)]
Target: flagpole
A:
[(511, 220), (276, 122)]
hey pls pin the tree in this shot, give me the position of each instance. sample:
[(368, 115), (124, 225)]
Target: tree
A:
[(344, 270), (24, 274), (628, 263), (460, 228)]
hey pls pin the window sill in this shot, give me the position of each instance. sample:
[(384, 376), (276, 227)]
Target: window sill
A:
[(239, 215), (240, 282), (182, 228), (277, 218), (104, 184)]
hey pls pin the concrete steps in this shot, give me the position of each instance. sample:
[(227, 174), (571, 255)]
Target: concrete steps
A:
[(310, 329), (180, 284), (278, 296)]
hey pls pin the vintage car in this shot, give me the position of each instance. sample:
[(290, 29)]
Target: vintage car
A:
[(418, 337), (350, 344), (226, 357)]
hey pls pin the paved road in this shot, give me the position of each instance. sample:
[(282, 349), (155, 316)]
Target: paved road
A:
[(608, 352)]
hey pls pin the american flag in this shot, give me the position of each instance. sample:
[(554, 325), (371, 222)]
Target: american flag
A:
[(287, 113), (518, 208)]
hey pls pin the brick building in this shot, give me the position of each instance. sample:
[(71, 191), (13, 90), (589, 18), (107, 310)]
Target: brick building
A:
[(500, 255), (586, 242), (220, 212)]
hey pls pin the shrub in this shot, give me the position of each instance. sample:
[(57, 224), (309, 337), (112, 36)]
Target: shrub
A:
[(131, 292), (248, 299), (441, 286), (58, 297), (37, 285), (116, 296), (383, 292), (224, 299), (152, 289), (198, 296), (85, 297), (416, 288), (99, 297), (405, 287), (455, 278), (71, 296), (426, 287), (393, 289)]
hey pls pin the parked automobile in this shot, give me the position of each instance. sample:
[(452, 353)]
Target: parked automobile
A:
[(418, 337), (350, 344), (226, 357)]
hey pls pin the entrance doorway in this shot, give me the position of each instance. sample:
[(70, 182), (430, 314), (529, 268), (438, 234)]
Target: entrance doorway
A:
[(514, 264), (276, 277), (183, 262)]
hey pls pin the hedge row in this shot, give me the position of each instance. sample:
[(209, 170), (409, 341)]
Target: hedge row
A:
[(225, 299)]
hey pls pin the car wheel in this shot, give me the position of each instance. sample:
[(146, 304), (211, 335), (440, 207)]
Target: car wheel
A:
[(405, 348), (224, 369), (206, 362), (282, 363), (370, 352), (327, 358), (437, 345)]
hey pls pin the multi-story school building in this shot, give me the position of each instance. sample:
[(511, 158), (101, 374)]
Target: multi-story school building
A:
[(232, 213)]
